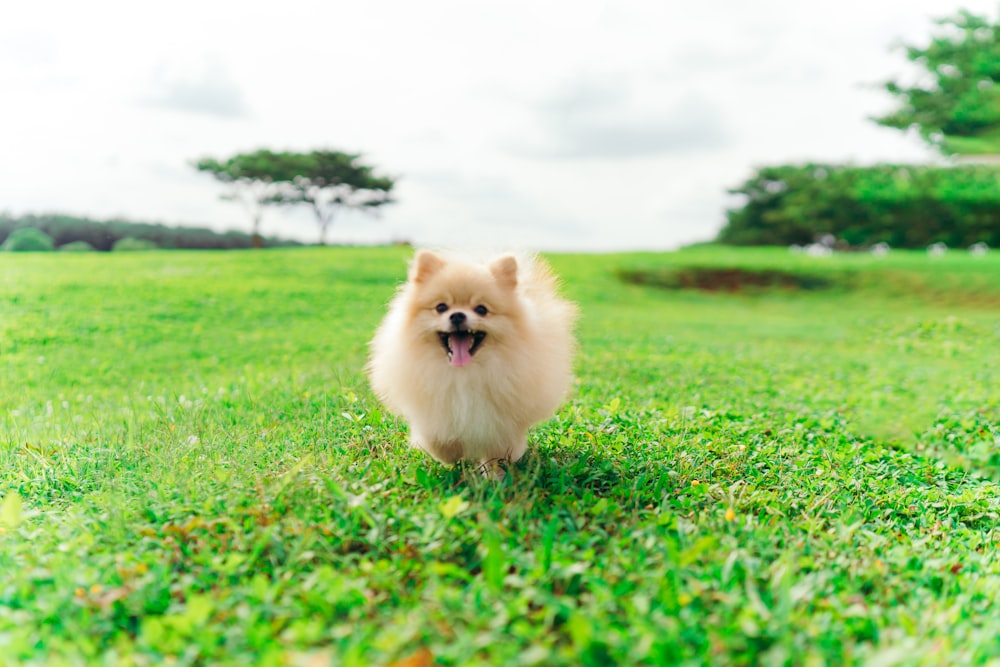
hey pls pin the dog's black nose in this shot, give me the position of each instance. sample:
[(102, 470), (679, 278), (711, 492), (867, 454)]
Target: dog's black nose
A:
[(457, 318)]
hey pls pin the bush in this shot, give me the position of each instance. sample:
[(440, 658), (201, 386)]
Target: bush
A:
[(130, 243), (905, 206), (28, 239), (76, 246), (102, 234)]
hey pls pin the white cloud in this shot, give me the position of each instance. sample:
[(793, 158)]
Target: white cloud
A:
[(602, 119), (210, 90)]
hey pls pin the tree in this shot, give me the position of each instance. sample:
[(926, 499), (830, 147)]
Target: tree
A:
[(956, 107), (906, 206), (254, 179), (330, 181)]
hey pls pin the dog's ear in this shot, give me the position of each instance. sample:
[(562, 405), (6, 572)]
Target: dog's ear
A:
[(504, 270), (425, 265)]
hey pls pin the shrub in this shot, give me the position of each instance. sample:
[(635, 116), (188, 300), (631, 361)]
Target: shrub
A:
[(27, 239), (905, 206), (102, 234), (76, 246), (130, 243)]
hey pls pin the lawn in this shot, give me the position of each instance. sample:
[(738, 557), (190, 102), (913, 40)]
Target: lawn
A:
[(193, 470)]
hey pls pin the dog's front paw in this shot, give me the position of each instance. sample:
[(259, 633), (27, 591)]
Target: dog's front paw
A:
[(496, 469)]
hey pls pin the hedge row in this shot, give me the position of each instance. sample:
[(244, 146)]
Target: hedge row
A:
[(29, 239), (102, 235), (906, 206)]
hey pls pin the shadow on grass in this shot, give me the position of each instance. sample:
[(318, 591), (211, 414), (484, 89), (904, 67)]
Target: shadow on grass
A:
[(554, 470), (581, 469), (568, 479)]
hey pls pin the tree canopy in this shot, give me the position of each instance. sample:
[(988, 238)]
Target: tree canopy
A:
[(906, 206), (253, 179), (955, 106), (330, 181), (324, 180)]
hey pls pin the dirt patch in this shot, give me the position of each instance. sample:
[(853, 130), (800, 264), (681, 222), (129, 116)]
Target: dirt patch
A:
[(715, 279)]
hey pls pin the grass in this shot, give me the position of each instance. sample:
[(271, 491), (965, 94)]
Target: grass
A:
[(193, 471)]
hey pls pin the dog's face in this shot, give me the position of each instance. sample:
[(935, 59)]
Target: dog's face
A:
[(463, 309)]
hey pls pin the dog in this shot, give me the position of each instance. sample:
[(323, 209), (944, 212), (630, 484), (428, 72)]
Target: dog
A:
[(472, 354)]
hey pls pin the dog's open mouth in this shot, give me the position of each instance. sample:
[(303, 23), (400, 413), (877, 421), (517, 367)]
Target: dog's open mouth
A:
[(461, 345)]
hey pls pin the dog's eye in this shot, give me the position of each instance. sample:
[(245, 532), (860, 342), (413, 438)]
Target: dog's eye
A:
[(481, 310), (441, 307)]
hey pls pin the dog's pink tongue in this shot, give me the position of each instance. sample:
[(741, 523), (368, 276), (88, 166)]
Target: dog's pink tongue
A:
[(461, 350)]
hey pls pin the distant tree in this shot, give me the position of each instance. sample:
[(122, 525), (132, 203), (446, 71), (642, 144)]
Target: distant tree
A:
[(905, 206), (955, 106), (102, 234), (253, 179), (331, 181), (28, 239)]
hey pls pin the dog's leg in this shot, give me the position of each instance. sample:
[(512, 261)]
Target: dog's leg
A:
[(446, 452)]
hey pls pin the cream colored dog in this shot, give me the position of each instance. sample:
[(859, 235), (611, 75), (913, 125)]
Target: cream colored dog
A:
[(472, 354)]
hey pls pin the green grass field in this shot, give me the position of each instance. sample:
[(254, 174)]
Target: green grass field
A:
[(193, 471)]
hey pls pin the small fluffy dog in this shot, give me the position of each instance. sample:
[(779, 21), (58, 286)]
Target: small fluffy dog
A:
[(472, 354)]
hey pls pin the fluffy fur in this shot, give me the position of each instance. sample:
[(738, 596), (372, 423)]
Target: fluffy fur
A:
[(472, 354)]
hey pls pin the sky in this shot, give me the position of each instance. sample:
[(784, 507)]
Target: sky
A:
[(542, 124)]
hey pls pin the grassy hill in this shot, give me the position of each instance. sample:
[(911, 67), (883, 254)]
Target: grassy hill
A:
[(192, 469)]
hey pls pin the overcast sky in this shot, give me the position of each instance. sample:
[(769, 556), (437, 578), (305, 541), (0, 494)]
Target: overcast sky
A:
[(547, 124)]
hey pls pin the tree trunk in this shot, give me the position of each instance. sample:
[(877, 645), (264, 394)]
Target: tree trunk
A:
[(324, 218), (257, 239)]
